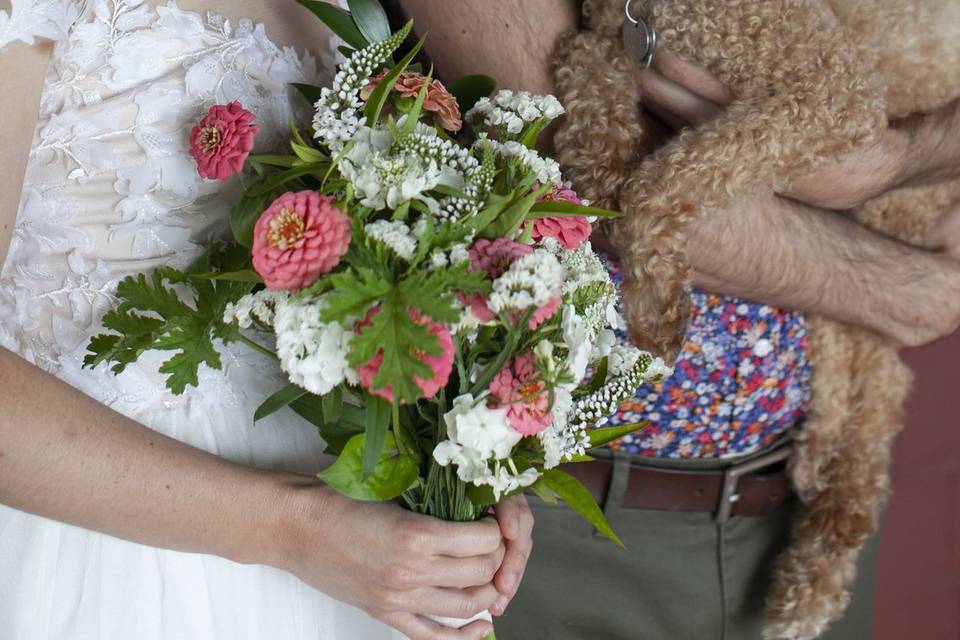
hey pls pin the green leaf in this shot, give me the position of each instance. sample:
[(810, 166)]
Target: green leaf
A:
[(278, 401), (333, 405), (370, 18), (599, 377), (578, 497), (245, 275), (310, 408), (511, 219), (377, 426), (554, 209), (273, 160), (309, 154), (310, 93), (483, 495), (413, 116), (378, 98), (154, 314), (280, 179), (544, 492), (600, 437), (354, 292), (469, 89), (339, 21), (244, 215), (392, 475)]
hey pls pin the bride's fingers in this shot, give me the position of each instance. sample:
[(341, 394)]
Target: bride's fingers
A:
[(420, 628), (691, 77), (516, 523), (674, 104), (451, 603), (461, 573)]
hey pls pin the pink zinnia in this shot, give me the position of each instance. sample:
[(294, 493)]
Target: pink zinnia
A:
[(438, 100), (300, 236), (570, 231), (441, 365), (518, 387), (222, 141)]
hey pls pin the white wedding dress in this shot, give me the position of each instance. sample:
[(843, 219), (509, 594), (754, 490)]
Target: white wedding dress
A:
[(110, 190)]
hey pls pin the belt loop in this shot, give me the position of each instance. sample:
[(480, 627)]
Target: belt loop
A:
[(619, 478)]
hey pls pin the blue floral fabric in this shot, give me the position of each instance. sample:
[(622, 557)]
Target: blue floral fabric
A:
[(741, 379)]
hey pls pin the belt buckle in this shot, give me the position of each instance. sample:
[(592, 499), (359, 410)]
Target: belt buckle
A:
[(731, 477)]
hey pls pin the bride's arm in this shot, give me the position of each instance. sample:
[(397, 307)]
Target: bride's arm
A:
[(66, 457)]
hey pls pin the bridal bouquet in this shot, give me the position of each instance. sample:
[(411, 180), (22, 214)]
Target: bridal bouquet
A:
[(423, 277)]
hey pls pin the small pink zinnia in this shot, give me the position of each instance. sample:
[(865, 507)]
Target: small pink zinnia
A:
[(438, 100), (441, 365), (300, 236), (222, 140), (518, 388), (570, 231)]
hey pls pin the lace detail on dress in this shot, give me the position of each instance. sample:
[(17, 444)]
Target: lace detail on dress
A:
[(29, 19), (110, 189)]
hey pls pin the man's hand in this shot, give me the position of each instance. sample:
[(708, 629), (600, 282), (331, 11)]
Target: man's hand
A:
[(684, 95)]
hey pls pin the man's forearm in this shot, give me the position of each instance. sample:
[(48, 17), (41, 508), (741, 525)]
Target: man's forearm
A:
[(790, 255), (511, 41), (934, 151)]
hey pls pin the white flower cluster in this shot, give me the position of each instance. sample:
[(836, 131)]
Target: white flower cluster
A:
[(338, 111), (511, 112), (386, 180), (312, 353), (546, 169), (620, 386), (396, 235), (259, 306), (531, 281), (478, 436)]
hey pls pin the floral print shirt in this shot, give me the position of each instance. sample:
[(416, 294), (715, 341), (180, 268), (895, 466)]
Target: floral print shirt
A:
[(741, 379)]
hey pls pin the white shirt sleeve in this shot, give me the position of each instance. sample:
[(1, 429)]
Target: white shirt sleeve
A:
[(30, 19)]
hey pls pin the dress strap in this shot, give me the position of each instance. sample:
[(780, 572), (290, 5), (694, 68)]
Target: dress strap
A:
[(29, 19)]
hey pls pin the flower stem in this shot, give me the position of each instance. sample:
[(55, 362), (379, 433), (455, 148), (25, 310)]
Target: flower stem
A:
[(258, 347)]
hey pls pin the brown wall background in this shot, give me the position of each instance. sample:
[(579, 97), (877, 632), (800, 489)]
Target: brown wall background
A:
[(918, 578)]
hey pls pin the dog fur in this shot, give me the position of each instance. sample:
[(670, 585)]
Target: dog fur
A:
[(806, 93)]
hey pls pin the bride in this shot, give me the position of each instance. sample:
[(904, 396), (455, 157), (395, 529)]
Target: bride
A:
[(197, 525)]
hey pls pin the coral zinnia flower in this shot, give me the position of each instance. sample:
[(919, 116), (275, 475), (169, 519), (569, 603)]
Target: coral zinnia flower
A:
[(222, 140), (441, 365), (570, 231), (519, 389), (438, 100), (300, 236)]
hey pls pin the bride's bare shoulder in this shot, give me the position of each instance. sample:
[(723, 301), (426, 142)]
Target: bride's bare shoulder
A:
[(287, 23)]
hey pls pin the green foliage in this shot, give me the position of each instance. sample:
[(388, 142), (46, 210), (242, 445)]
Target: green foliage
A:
[(173, 311), (392, 330), (278, 400), (339, 21), (555, 209), (310, 93), (468, 90), (378, 98), (370, 19), (393, 474), (600, 437), (244, 215), (377, 426), (572, 491)]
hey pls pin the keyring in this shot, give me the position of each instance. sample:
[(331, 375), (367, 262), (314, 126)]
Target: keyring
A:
[(639, 38)]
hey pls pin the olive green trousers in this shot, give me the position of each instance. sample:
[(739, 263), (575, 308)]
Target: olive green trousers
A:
[(682, 576)]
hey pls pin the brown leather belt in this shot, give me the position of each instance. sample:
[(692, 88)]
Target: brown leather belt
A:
[(739, 490)]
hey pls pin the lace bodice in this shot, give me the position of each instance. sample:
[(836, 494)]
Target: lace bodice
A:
[(110, 189)]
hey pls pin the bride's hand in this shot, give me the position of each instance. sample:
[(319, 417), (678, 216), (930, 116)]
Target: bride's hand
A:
[(396, 565)]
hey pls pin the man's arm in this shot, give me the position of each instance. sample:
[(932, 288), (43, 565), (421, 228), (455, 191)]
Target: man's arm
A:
[(508, 40), (933, 154), (794, 256), (766, 249)]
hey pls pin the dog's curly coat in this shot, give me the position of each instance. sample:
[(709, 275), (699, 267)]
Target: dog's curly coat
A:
[(806, 92)]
